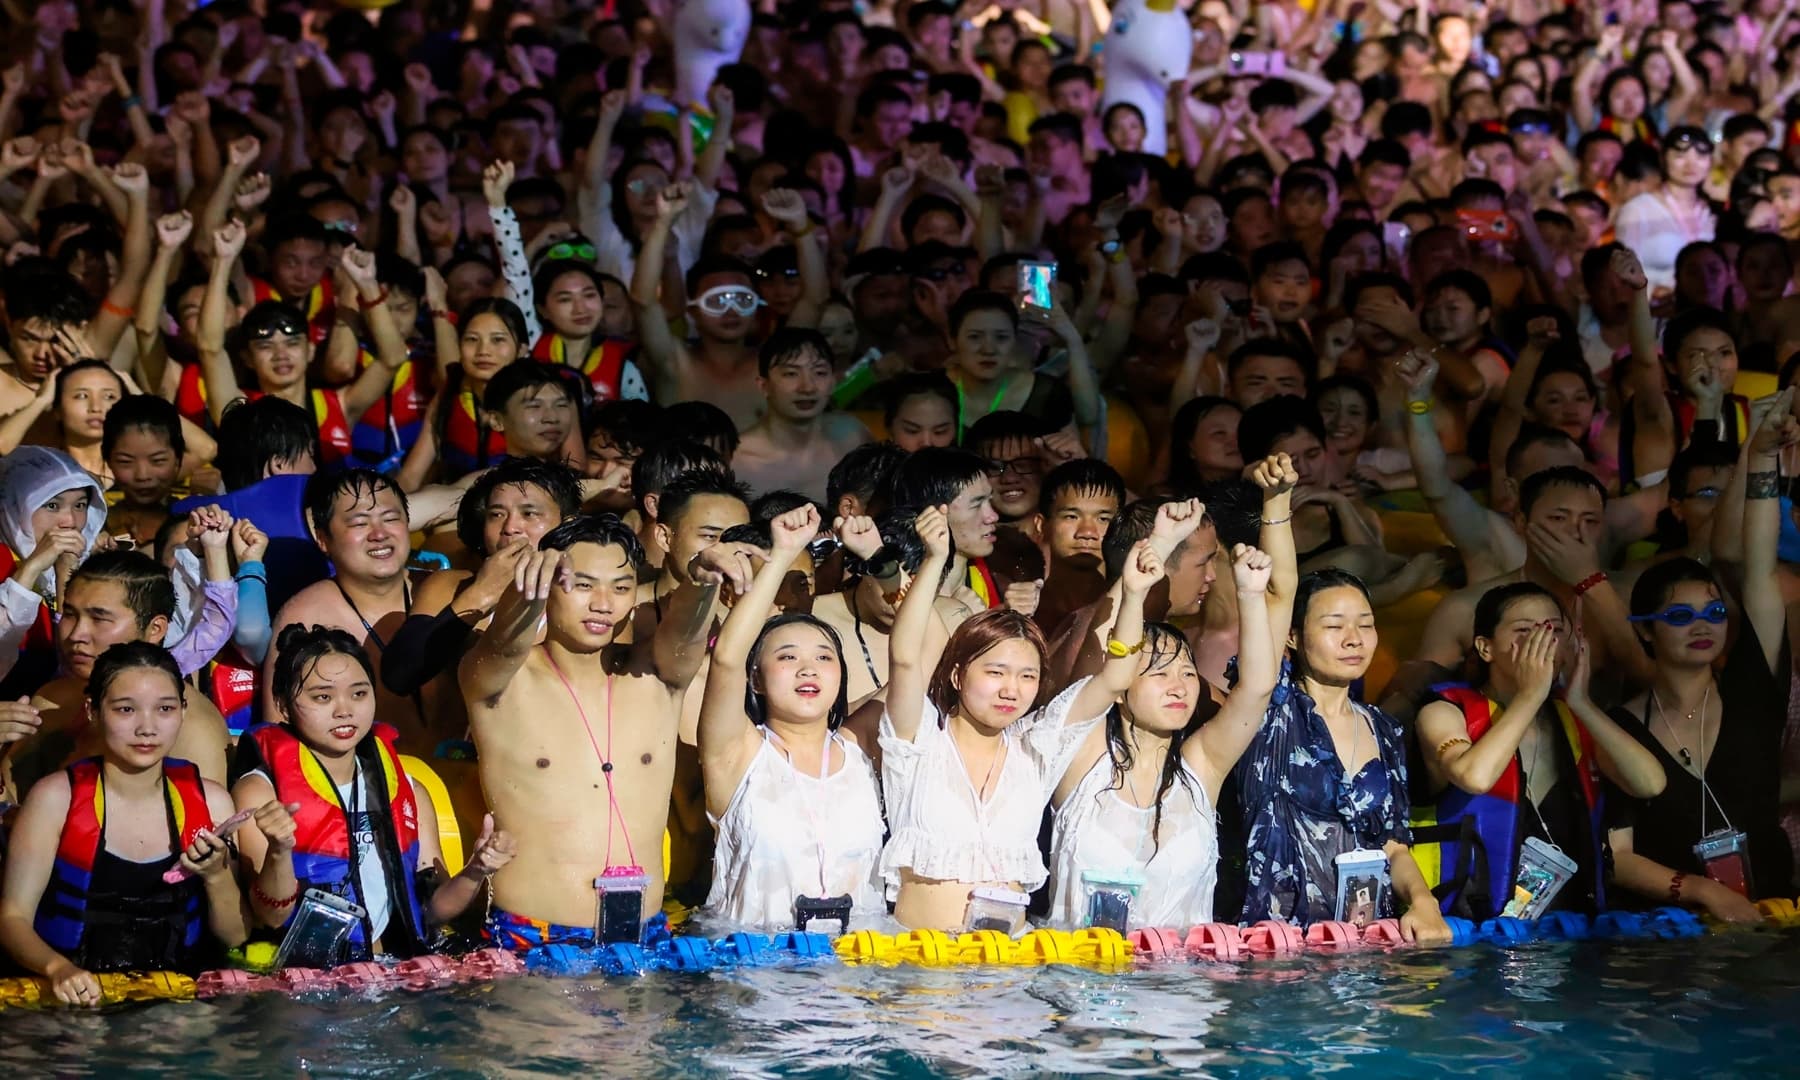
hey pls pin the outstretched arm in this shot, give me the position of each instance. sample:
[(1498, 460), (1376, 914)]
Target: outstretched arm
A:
[(907, 672), (789, 210), (661, 351), (1761, 466), (1225, 737), (1464, 521), (488, 668), (390, 347), (1277, 477), (1143, 569), (221, 381), (679, 646)]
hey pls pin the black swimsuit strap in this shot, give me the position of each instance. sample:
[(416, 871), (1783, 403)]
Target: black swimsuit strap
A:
[(856, 625)]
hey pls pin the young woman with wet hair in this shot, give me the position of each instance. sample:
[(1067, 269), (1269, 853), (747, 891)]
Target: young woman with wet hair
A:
[(791, 794), (84, 888)]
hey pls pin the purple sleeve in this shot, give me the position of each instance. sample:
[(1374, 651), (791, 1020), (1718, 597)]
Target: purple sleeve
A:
[(211, 628)]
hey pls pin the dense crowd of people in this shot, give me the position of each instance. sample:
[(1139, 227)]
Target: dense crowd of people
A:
[(814, 464)]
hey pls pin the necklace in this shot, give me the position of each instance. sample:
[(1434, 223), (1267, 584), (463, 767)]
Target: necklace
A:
[(1687, 758)]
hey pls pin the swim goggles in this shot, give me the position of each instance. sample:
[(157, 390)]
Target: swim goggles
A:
[(719, 299), (1683, 615), (281, 323), (565, 250), (1690, 140)]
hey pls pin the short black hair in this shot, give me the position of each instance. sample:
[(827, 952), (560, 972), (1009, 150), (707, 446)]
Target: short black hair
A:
[(1531, 433), (1688, 323), (521, 376), (1002, 425), (703, 422), (981, 300), (1384, 152), (1082, 474), (772, 504), (1265, 258), (255, 435), (866, 472), (915, 384), (653, 470), (43, 291), (936, 475), (787, 342), (142, 412), (1132, 523), (1234, 506), (1464, 281), (1268, 422), (675, 496), (1405, 118), (601, 529), (148, 590), (553, 478), (1538, 483), (707, 265), (633, 425), (1270, 346), (1700, 455), (323, 489)]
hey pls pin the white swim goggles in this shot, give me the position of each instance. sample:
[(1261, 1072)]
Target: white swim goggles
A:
[(719, 299)]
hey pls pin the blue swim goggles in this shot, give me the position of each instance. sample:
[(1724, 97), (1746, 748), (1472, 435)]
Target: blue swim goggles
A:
[(1683, 615)]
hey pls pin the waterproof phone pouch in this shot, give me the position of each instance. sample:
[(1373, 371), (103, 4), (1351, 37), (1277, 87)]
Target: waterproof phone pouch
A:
[(823, 909), (1543, 871), (315, 938), (996, 909), (1109, 896), (1362, 886), (619, 905), (1035, 281), (1726, 856)]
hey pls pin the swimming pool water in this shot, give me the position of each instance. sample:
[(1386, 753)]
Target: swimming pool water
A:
[(1725, 1005)]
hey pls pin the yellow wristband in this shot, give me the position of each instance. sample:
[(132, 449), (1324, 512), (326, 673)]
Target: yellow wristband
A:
[(1419, 408), (1115, 647)]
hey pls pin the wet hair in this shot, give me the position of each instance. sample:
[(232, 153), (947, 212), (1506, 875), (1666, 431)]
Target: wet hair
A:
[(683, 489), (657, 466), (708, 266), (1700, 455), (45, 292), (298, 650), (1082, 475), (1164, 646), (504, 310), (772, 504), (936, 475), (756, 707), (1234, 507), (1688, 323), (866, 472), (632, 424), (1490, 609), (1658, 581), (551, 477), (148, 590), (255, 435), (980, 300), (129, 656), (1004, 425), (602, 529), (141, 412), (1539, 483), (788, 343), (917, 384), (1532, 433), (514, 379), (704, 422), (1268, 422), (1133, 523), (973, 639), (1183, 475), (323, 489), (1467, 282), (64, 373), (1311, 585), (750, 532)]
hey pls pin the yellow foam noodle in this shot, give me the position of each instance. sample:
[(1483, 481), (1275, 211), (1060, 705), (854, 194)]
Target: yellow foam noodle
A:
[(450, 838), (1127, 446), (1754, 384)]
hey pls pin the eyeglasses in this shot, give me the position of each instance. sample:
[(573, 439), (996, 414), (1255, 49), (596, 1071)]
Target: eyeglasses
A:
[(1531, 127), (1019, 466), (1683, 615), (585, 252), (640, 186), (719, 299), (784, 272), (343, 225)]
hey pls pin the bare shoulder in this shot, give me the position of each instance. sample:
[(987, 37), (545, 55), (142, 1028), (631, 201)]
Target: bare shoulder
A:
[(312, 604), (845, 431), (438, 589)]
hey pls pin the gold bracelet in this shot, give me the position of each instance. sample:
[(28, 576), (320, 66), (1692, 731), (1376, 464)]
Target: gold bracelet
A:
[(1452, 741)]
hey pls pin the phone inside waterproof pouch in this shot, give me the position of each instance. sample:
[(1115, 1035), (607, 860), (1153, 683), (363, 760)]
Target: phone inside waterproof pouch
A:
[(1485, 225), (1543, 871), (1362, 886), (1258, 63), (1726, 856), (619, 902), (995, 909), (1035, 281), (315, 939), (822, 909), (1396, 235), (1109, 898)]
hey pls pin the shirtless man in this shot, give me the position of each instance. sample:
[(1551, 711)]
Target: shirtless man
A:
[(957, 479), (114, 597), (692, 511), (359, 520), (796, 443), (577, 735), (722, 308), (1076, 503)]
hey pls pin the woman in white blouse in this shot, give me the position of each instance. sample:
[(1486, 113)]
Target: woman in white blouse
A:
[(969, 758), (1657, 224)]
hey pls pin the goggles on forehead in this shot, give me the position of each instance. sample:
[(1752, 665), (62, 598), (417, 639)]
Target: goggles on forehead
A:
[(722, 298), (1688, 140), (1684, 615), (285, 324), (584, 252)]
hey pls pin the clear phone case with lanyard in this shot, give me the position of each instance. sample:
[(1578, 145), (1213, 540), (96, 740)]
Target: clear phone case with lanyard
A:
[(1109, 897), (1543, 871), (619, 905), (996, 909), (1726, 855), (315, 939), (1362, 886)]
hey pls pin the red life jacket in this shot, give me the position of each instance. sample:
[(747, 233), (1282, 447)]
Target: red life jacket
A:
[(374, 438), (604, 366), (233, 685), (466, 444), (42, 634), (62, 913), (190, 396)]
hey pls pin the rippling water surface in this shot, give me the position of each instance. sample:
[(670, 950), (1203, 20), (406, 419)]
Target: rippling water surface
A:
[(1718, 1006)]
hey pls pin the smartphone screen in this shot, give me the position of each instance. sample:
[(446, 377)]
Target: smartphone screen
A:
[(1035, 279)]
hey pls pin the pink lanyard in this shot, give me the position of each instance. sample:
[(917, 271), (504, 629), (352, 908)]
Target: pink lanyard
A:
[(606, 765)]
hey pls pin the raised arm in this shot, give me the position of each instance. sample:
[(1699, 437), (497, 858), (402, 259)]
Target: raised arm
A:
[(1143, 569), (661, 351), (896, 184), (215, 363), (712, 159), (1464, 521), (488, 668), (679, 647), (1226, 736), (1541, 333), (116, 311), (239, 157), (172, 231), (1084, 385), (390, 347), (727, 738), (595, 195), (789, 210), (907, 673), (1277, 478), (1761, 465)]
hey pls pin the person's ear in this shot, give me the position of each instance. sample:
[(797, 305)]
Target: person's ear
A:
[(849, 506), (650, 502), (1293, 641), (1484, 648), (664, 536), (156, 629), (495, 421)]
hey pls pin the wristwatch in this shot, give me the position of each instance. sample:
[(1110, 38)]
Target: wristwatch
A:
[(1112, 249)]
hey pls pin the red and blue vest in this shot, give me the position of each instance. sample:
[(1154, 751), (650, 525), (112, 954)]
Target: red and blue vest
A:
[(389, 427), (321, 306), (1495, 815), (604, 367), (327, 408), (323, 858), (62, 913)]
